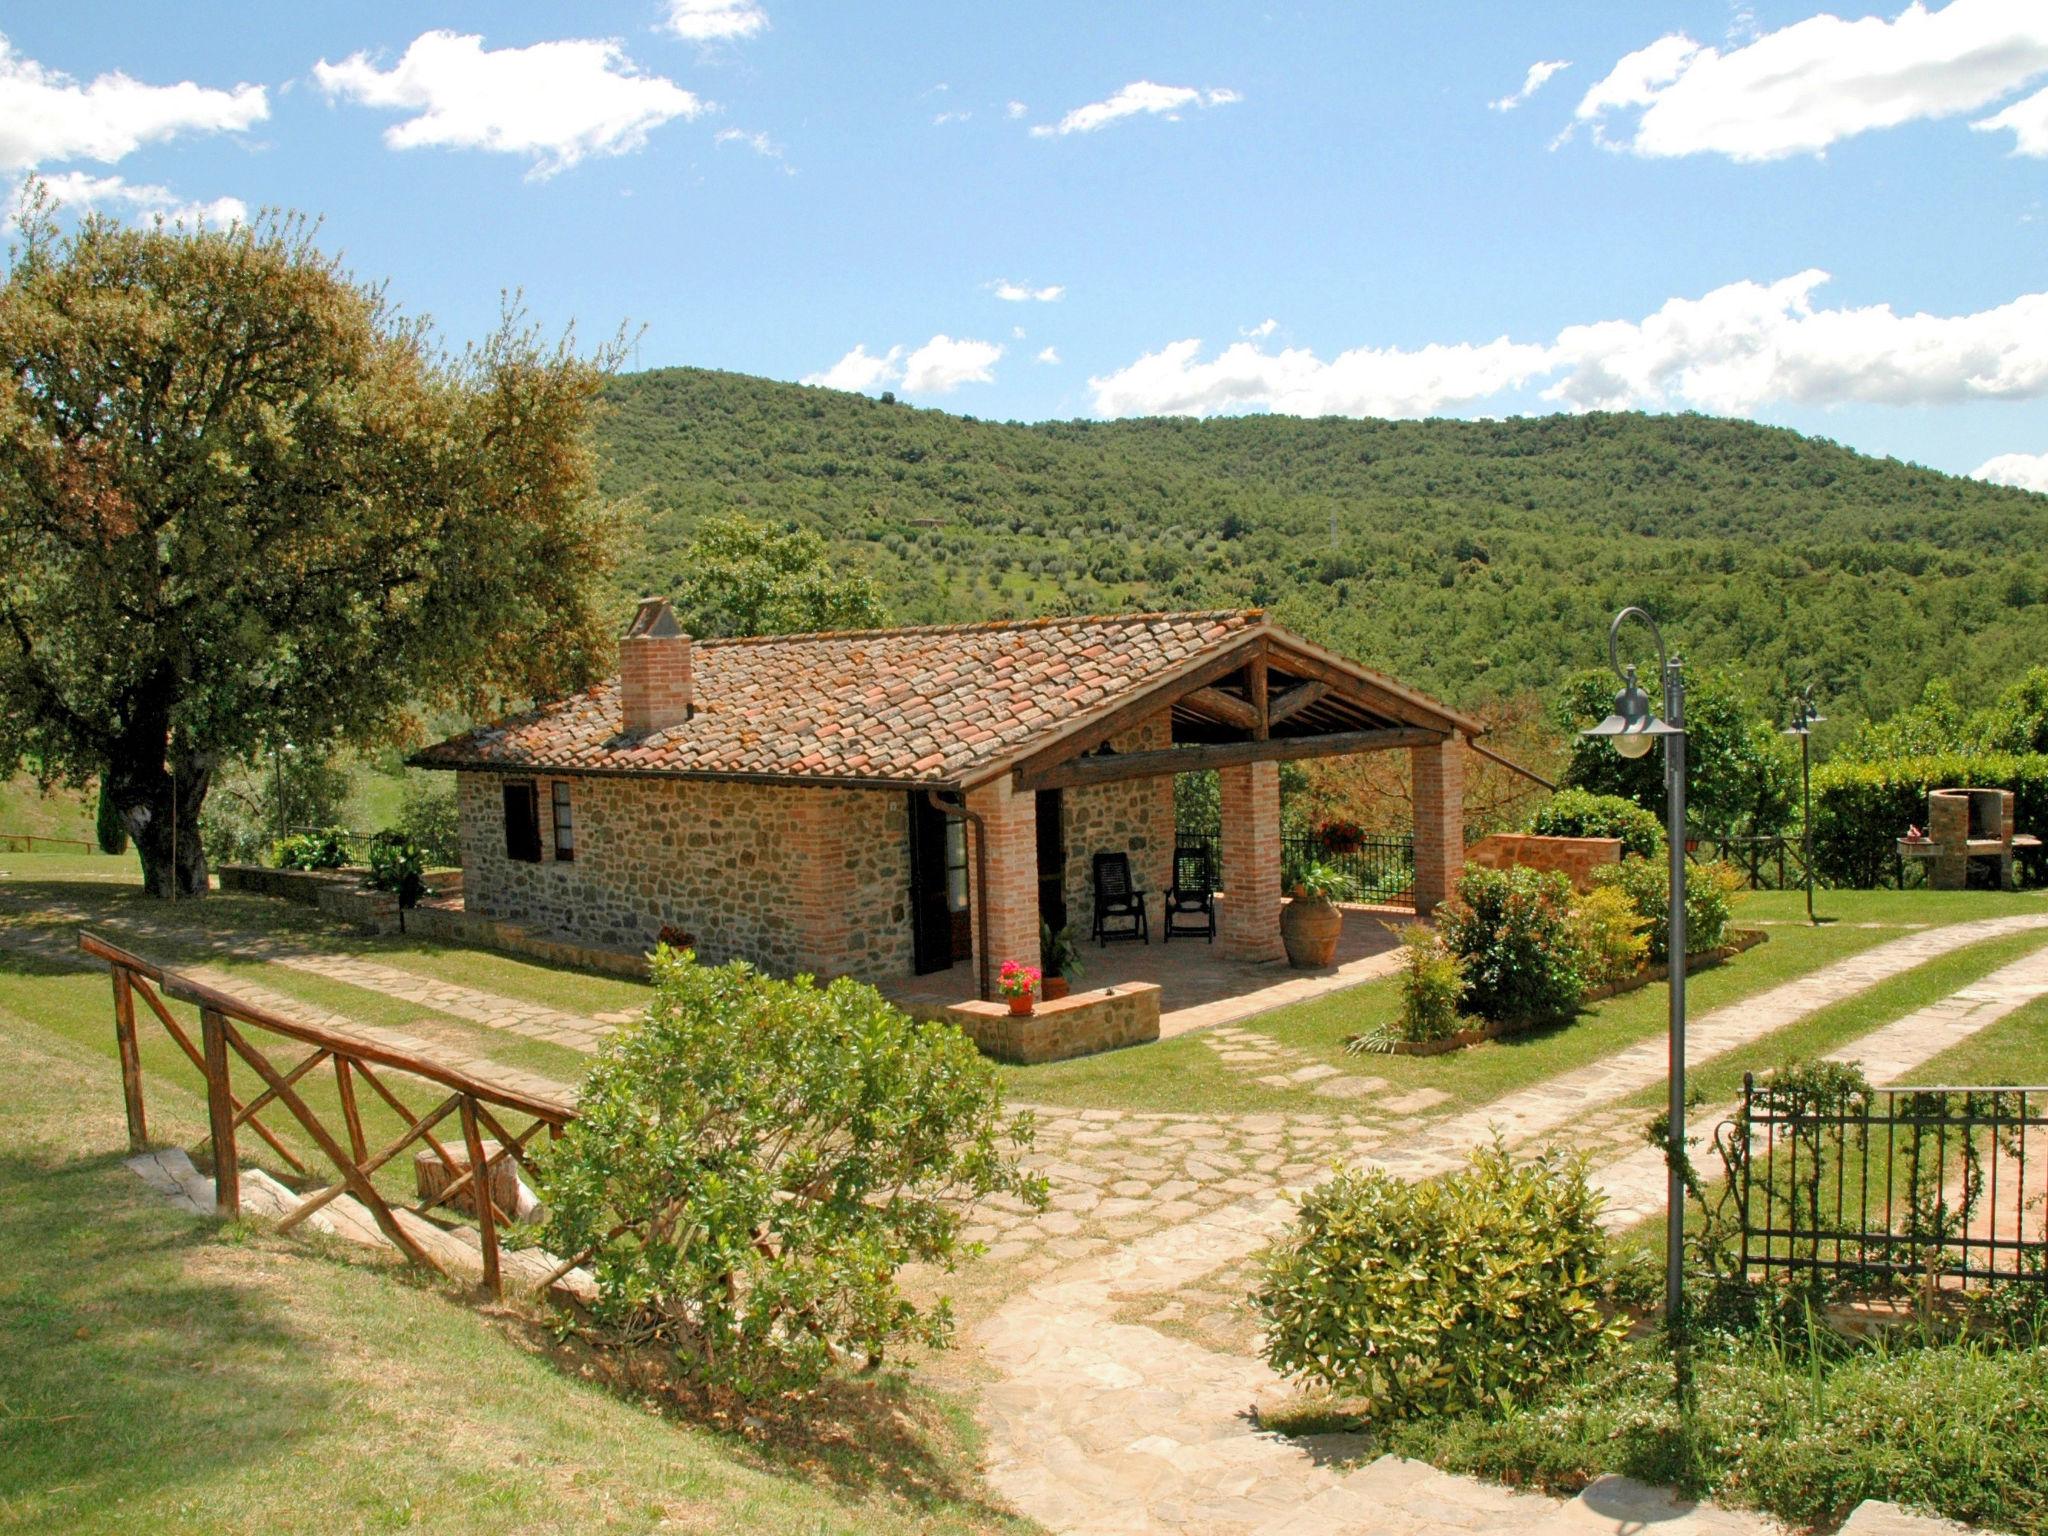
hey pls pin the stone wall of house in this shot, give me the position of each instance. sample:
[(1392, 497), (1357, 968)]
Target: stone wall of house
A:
[(1134, 816), (793, 879)]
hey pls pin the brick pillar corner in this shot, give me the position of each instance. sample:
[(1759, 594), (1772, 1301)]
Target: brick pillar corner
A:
[(1011, 900), (1438, 773), (1248, 918)]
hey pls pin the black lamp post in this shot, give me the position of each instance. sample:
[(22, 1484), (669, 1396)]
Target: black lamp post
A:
[(1634, 728), (1804, 718)]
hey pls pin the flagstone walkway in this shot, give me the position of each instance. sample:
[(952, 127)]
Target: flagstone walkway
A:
[(1099, 1425)]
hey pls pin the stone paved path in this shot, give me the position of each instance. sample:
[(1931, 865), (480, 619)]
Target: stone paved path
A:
[(533, 1021), (1099, 1425), (1635, 1186)]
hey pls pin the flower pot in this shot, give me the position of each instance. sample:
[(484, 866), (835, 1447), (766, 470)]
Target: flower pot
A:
[(1021, 1005), (1055, 987), (1309, 929)]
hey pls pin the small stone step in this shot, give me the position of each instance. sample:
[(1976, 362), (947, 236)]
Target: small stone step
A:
[(1620, 1506), (1874, 1517)]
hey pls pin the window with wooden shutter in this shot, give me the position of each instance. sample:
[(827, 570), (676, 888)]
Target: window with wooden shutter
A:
[(565, 822), (522, 823)]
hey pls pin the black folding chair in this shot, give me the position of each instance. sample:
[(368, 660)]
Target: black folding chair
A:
[(1191, 899), (1117, 902)]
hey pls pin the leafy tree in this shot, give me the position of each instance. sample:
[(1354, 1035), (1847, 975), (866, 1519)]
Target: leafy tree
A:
[(740, 577), (242, 501), (1740, 775), (755, 1159)]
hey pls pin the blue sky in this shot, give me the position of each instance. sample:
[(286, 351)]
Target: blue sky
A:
[(1192, 207)]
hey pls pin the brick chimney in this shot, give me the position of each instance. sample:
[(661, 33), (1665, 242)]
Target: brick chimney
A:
[(654, 670)]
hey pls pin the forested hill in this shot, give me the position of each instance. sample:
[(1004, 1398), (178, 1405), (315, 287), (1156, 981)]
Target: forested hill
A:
[(1470, 558)]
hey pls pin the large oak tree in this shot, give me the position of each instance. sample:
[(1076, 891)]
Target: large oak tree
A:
[(243, 501)]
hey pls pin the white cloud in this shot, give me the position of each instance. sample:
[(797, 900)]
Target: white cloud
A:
[(46, 115), (941, 119), (942, 365), (2028, 471), (2028, 120), (1265, 327), (1734, 350), (78, 190), (1539, 74), (1015, 110), (1024, 293), (938, 367), (716, 21), (1138, 98), (1048, 354), (1809, 85), (555, 103), (759, 143)]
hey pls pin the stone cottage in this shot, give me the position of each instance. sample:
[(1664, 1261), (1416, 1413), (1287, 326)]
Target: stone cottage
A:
[(888, 803)]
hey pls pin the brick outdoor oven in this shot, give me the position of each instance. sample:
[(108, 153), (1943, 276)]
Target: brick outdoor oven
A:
[(1965, 824)]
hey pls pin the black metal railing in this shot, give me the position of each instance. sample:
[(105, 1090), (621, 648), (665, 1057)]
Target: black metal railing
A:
[(1889, 1185), (1765, 863), (1380, 869)]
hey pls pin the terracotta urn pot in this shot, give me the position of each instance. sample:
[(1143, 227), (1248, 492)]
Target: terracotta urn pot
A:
[(1054, 988), (1020, 1005), (1309, 928)]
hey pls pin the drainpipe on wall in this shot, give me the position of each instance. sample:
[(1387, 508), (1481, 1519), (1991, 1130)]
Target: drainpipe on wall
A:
[(980, 829)]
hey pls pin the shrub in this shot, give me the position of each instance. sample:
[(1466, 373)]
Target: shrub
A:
[(427, 815), (1581, 813), (1432, 981), (1610, 936), (397, 865), (1512, 931), (1710, 891), (1861, 809), (324, 849), (1469, 1291), (755, 1159)]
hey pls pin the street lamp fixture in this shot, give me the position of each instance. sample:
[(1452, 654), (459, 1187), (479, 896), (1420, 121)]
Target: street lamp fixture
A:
[(1804, 718), (1634, 728)]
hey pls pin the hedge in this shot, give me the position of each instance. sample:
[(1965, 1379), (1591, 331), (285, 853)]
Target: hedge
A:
[(1860, 810)]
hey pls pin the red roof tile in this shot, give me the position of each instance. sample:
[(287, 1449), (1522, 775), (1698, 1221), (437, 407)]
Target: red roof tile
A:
[(938, 704)]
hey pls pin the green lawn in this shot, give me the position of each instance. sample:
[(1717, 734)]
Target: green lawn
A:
[(1184, 1074)]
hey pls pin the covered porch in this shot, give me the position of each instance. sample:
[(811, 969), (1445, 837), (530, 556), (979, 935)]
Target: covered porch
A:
[(1032, 828)]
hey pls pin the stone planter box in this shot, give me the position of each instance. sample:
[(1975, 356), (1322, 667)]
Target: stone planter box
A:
[(1079, 1024), (1575, 857), (1739, 940)]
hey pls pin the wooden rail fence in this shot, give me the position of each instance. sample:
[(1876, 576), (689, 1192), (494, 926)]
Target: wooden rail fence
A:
[(25, 842), (225, 1026)]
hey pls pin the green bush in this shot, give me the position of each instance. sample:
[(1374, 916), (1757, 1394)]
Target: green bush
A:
[(398, 866), (1611, 936), (1860, 810), (1581, 813), (1710, 891), (755, 1159), (1467, 1292), (1512, 932), (1432, 981), (1958, 1429), (427, 815), (324, 849)]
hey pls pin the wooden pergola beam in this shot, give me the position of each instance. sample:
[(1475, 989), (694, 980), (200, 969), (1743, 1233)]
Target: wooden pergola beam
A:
[(1294, 701), (1218, 705), (1141, 765)]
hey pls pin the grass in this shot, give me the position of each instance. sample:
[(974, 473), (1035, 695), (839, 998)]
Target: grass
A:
[(164, 1374), (1184, 1074)]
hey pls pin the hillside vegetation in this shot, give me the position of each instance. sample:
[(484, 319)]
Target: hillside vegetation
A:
[(1470, 558)]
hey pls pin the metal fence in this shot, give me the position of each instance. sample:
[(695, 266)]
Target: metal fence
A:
[(1765, 863), (1893, 1185), (1381, 869)]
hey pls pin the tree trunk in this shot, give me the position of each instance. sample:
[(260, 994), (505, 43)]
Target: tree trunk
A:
[(160, 807)]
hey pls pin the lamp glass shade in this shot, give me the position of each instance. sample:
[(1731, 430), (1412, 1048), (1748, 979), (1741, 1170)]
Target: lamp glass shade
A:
[(1632, 744)]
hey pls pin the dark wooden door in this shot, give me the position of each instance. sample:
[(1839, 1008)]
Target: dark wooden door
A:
[(1052, 861), (931, 910)]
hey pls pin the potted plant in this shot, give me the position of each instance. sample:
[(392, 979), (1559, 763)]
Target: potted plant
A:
[(1311, 923), (1062, 960), (1017, 981)]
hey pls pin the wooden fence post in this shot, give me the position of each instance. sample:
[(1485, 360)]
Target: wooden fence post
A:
[(480, 1197), (131, 1060), (220, 1115)]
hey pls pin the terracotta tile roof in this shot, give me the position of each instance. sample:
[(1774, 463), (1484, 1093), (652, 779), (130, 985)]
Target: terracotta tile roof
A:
[(937, 704)]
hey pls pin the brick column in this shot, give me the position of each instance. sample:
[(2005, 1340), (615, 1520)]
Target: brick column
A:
[(1248, 919), (1439, 788), (1011, 820)]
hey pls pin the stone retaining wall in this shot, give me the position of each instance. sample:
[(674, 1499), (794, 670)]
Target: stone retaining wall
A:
[(1079, 1024)]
